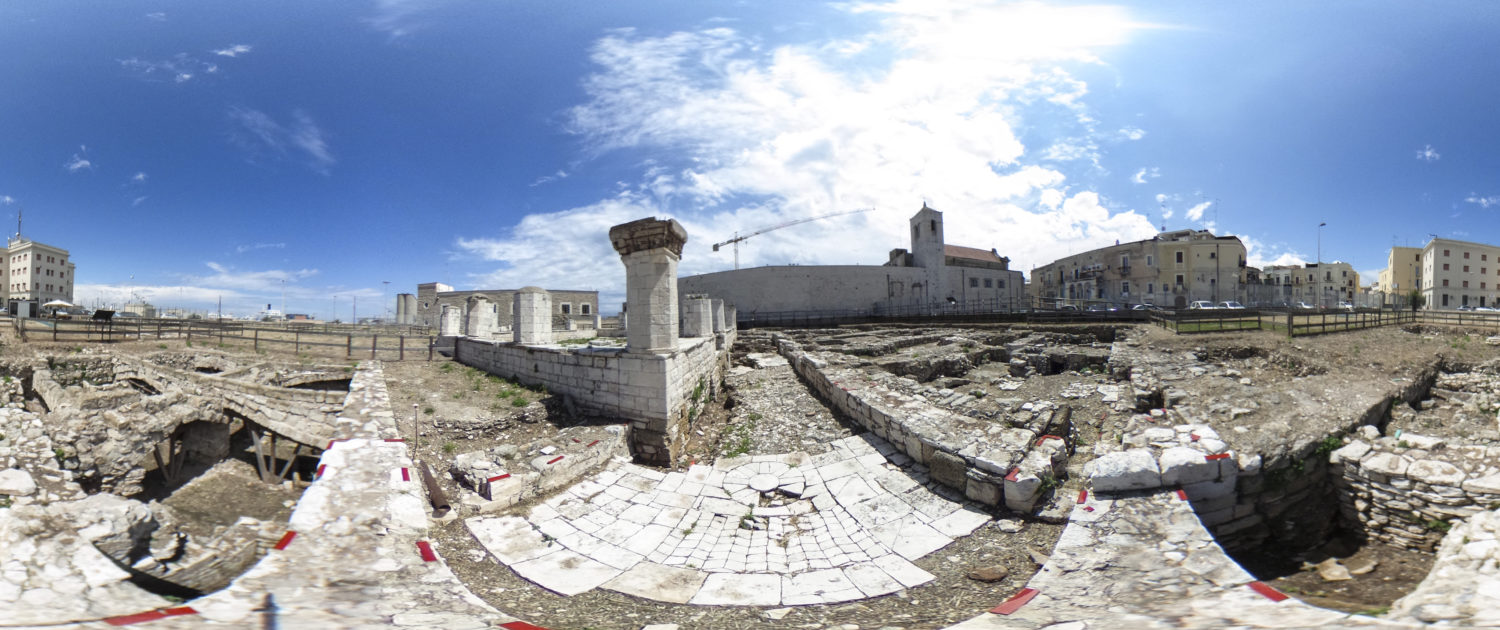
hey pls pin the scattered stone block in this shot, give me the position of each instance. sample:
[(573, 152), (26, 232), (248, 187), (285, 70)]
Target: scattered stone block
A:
[(1134, 469)]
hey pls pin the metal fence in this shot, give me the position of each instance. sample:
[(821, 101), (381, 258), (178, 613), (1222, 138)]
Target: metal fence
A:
[(1294, 323), (351, 343)]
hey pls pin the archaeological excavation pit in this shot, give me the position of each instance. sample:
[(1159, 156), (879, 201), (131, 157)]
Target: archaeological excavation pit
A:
[(180, 470)]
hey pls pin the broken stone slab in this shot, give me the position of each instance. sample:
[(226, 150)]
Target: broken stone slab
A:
[(1183, 466), (1436, 473), (16, 483), (1389, 464), (1134, 469), (1352, 451)]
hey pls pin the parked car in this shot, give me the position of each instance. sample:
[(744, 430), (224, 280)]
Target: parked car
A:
[(1486, 309), (1465, 307), (1232, 305), (1068, 307), (1346, 306), (1145, 307), (1102, 308), (1202, 305), (1304, 305)]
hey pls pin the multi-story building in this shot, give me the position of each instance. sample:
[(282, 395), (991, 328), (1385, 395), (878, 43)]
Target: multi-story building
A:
[(1172, 269), (37, 274), (1400, 277), (1316, 284), (1460, 273)]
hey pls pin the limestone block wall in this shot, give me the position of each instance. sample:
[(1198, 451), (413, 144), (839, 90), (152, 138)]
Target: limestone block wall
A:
[(653, 392), (989, 463), (1408, 490)]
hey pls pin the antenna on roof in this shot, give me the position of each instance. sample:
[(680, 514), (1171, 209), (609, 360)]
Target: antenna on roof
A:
[(19, 211)]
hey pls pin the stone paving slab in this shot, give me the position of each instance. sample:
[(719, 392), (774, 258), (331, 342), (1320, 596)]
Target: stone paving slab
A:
[(764, 530)]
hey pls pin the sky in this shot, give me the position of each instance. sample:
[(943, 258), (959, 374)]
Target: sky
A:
[(327, 156)]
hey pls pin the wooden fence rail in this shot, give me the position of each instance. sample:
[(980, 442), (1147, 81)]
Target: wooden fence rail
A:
[(351, 345)]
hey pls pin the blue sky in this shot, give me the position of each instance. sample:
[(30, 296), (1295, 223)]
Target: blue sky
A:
[(188, 151)]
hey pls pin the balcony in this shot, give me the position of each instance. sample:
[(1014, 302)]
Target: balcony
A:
[(1123, 270)]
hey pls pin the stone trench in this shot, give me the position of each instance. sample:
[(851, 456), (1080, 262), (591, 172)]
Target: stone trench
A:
[(1159, 491)]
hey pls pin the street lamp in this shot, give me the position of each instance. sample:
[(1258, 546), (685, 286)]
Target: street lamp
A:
[(1320, 242)]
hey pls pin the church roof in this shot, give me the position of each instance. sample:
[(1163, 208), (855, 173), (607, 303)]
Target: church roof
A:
[(971, 253)]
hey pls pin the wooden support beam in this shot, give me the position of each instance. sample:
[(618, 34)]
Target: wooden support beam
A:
[(260, 460), (161, 466), (291, 460)]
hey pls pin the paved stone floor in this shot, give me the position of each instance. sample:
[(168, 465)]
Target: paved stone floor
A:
[(765, 530)]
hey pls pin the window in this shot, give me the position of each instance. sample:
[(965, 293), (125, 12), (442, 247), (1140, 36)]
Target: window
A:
[(1150, 287), (1445, 298), (1125, 261), (1445, 282), (1343, 274), (1466, 284), (1000, 284), (567, 309), (1445, 266), (1466, 257), (1466, 269), (934, 227), (586, 309), (989, 283), (1124, 288), (1179, 276), (1179, 260), (1212, 254), (973, 283), (1149, 262)]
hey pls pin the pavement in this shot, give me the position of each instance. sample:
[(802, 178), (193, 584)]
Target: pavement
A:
[(766, 530)]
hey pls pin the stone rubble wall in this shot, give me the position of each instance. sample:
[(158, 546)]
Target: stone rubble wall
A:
[(1407, 491), (988, 462), (1463, 587)]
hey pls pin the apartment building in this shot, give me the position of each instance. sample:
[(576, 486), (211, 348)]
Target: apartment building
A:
[(37, 274), (1172, 269), (1400, 276), (1317, 284), (1459, 273)]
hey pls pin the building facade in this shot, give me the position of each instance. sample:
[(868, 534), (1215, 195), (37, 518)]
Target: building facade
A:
[(37, 274), (1172, 269), (1323, 285), (933, 276), (1460, 273), (1401, 276), (578, 307)]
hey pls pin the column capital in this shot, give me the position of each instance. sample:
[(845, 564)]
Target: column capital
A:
[(646, 234)]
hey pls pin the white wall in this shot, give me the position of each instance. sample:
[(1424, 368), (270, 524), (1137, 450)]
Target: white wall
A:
[(796, 288)]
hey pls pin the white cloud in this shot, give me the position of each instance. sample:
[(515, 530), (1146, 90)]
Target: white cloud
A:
[(157, 16), (232, 51), (1483, 202), (258, 134), (1195, 213), (1427, 154), (7, 200), (399, 18), (1133, 133), (749, 136), (138, 177), (80, 161), (244, 293), (560, 174), (1261, 255), (240, 249), (138, 201), (1144, 174), (230, 278)]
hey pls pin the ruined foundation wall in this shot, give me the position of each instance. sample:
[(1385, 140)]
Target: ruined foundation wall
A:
[(1406, 491), (1005, 467), (653, 392)]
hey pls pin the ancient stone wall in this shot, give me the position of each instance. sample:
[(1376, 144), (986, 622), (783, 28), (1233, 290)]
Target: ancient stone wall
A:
[(1405, 491), (797, 288), (988, 462), (653, 392)]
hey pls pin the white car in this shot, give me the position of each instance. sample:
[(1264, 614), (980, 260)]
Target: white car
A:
[(1202, 305), (1232, 305), (1486, 309), (1346, 306), (1304, 305)]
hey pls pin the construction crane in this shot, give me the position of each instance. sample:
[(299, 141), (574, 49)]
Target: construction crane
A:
[(737, 238)]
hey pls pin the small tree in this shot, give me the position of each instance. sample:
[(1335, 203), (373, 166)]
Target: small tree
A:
[(1416, 299)]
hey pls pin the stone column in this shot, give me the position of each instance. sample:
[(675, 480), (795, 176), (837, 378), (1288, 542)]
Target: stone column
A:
[(697, 316), (451, 323), (650, 249), (718, 316), (731, 317), (474, 323), (533, 323)]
